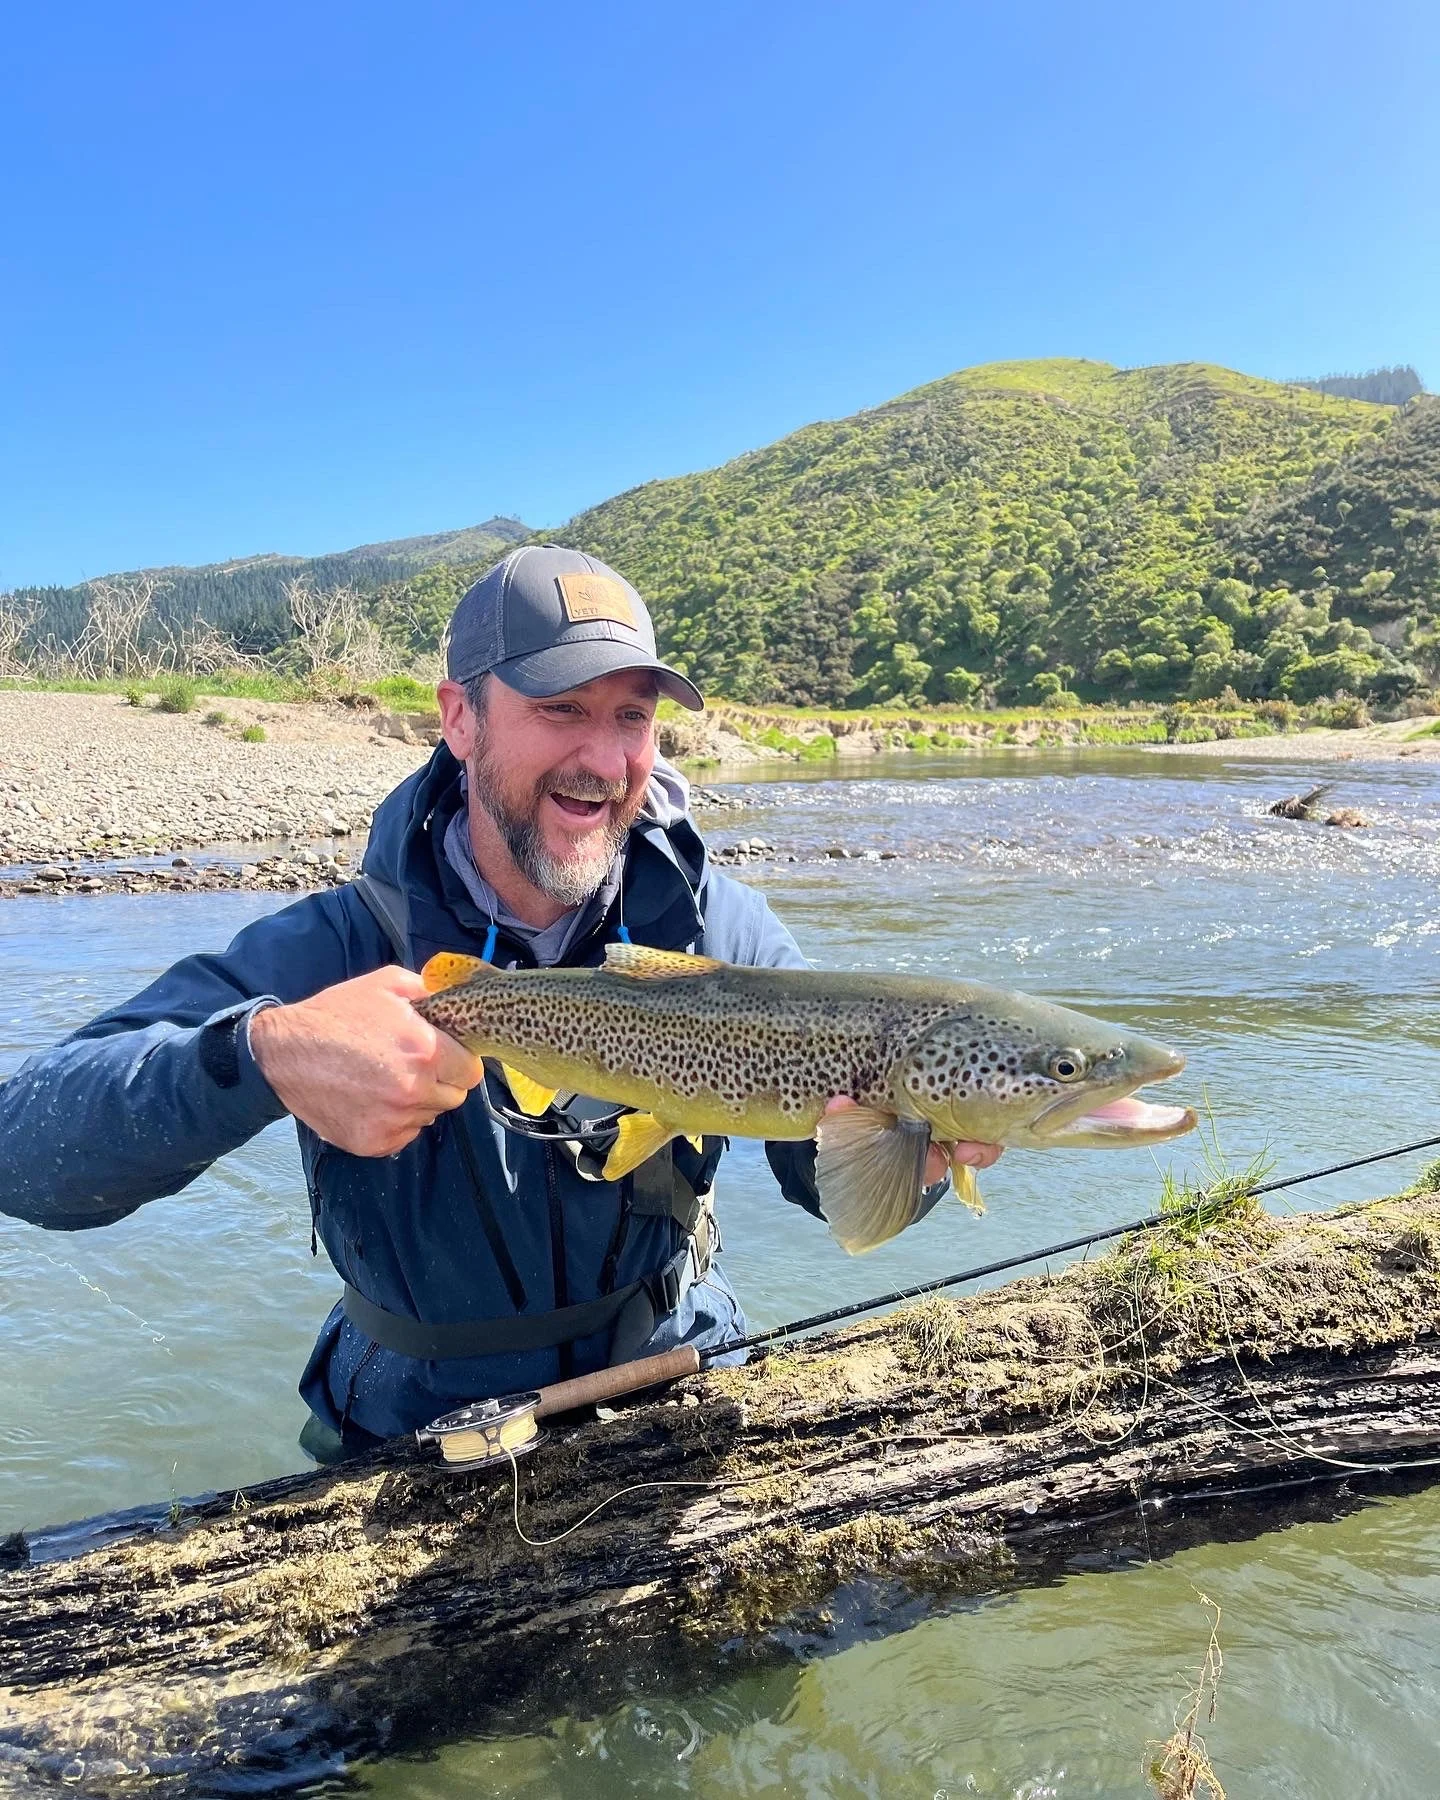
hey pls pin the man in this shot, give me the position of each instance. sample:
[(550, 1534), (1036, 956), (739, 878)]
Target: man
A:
[(481, 1252)]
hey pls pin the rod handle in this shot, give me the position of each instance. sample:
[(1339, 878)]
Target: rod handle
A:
[(624, 1378)]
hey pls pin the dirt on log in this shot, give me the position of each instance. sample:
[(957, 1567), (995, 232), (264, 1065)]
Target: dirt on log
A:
[(358, 1607)]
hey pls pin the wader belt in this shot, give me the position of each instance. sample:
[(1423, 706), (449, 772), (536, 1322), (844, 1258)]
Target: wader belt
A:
[(633, 1311)]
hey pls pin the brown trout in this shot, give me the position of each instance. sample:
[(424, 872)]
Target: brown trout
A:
[(699, 1046)]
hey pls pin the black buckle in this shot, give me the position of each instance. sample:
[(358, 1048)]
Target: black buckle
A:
[(664, 1286)]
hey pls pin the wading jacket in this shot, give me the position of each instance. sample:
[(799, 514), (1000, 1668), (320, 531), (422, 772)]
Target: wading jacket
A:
[(470, 1221)]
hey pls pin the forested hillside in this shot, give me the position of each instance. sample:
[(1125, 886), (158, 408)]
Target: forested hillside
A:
[(1024, 529), (246, 600), (1020, 532)]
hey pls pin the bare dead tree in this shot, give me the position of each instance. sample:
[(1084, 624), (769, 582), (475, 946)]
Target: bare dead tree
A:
[(333, 631), (113, 641), (17, 620)]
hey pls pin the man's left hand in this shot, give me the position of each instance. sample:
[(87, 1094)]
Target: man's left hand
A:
[(942, 1152)]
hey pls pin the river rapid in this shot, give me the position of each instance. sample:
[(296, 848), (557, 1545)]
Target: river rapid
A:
[(1295, 965)]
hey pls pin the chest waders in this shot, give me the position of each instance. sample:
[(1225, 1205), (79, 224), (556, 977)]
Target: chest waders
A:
[(657, 1189)]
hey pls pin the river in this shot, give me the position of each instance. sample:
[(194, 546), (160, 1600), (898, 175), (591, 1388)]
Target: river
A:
[(1297, 967)]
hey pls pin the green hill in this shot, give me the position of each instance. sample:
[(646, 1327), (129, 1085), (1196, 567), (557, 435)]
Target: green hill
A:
[(1010, 533), (245, 598), (1012, 530)]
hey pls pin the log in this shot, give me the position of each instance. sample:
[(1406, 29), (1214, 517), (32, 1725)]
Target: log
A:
[(934, 1452)]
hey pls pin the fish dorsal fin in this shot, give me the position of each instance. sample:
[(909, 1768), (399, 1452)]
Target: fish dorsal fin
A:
[(641, 963), (638, 1136), (532, 1097), (449, 969), (869, 1173)]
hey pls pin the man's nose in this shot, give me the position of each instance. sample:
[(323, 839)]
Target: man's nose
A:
[(603, 753)]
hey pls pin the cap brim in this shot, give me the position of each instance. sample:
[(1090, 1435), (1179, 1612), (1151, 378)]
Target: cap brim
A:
[(542, 673)]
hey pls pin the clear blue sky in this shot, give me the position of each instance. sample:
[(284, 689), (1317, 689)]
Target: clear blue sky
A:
[(301, 276)]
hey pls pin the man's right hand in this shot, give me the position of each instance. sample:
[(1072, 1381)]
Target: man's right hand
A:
[(359, 1065)]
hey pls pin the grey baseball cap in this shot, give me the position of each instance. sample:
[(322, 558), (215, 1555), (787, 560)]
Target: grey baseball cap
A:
[(548, 619)]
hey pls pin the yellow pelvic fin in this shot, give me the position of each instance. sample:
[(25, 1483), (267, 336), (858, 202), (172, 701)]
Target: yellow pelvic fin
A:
[(967, 1186), (530, 1096), (640, 1136), (449, 969), (644, 964), (696, 1141)]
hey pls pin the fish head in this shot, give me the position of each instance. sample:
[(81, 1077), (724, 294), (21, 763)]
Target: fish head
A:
[(1010, 1069)]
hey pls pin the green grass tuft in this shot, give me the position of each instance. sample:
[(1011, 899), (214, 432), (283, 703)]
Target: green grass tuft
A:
[(253, 734), (176, 695)]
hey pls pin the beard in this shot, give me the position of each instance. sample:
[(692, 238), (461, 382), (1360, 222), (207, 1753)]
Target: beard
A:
[(568, 880)]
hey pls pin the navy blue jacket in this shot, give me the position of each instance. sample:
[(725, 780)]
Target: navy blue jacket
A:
[(141, 1101)]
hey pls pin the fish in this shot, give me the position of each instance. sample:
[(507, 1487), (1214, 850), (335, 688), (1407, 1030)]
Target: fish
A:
[(698, 1046)]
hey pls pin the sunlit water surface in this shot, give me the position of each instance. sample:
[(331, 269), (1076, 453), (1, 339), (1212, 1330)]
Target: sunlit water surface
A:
[(1297, 967)]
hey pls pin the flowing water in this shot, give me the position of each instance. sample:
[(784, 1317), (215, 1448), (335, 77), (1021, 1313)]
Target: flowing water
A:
[(1297, 966)]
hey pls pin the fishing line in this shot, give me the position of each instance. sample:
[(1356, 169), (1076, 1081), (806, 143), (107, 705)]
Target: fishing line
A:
[(1149, 1223), (638, 1487)]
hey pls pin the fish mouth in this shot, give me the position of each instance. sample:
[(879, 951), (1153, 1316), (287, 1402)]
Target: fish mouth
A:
[(1128, 1121)]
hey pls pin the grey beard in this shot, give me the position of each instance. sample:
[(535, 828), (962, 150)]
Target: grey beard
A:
[(567, 882)]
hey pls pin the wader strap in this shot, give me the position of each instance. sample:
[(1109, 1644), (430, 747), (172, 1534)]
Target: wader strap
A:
[(484, 1337), (634, 1311), (387, 906)]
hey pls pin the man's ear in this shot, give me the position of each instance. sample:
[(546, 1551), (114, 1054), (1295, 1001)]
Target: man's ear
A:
[(458, 724)]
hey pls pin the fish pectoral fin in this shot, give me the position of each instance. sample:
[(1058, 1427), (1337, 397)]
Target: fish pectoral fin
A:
[(967, 1186), (638, 1136), (642, 963), (870, 1174), (530, 1096), (449, 969), (696, 1142)]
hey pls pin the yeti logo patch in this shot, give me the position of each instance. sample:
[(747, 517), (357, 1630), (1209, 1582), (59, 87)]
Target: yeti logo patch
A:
[(595, 597)]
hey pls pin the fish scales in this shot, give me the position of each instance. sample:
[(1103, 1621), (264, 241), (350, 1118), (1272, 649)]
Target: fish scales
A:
[(725, 1043), (692, 1045)]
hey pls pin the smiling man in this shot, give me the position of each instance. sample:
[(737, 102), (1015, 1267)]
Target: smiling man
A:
[(481, 1253)]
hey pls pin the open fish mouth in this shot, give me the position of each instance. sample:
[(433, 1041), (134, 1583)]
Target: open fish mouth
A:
[(1128, 1121)]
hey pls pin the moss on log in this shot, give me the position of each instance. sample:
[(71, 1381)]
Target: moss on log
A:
[(362, 1605)]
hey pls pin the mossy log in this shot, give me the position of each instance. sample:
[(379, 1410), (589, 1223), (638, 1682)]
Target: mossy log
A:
[(365, 1605)]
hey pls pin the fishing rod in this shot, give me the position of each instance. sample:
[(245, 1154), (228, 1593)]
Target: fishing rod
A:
[(498, 1430)]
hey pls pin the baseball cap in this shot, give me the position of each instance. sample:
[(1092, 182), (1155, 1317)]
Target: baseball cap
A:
[(547, 619)]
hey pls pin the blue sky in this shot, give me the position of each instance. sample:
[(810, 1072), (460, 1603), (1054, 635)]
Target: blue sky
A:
[(297, 277)]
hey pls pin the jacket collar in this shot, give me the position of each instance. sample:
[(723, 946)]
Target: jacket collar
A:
[(664, 875)]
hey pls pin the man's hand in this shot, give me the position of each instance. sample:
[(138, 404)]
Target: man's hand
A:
[(359, 1065), (941, 1153)]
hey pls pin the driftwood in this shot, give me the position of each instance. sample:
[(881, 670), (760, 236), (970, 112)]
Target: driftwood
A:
[(922, 1452), (1300, 806)]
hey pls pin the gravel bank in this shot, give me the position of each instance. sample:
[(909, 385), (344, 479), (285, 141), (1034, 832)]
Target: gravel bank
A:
[(1371, 743), (85, 775)]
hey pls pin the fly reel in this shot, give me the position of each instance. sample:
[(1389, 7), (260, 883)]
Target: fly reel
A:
[(485, 1432), (492, 1431)]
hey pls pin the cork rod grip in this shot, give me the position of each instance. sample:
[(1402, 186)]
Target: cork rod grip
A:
[(624, 1378)]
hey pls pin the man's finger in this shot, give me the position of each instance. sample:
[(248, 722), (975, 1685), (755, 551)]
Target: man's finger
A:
[(976, 1156), (456, 1067)]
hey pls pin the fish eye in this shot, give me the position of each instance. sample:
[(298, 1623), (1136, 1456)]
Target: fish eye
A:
[(1068, 1065)]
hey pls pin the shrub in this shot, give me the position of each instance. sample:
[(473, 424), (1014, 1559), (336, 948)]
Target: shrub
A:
[(177, 695), (1282, 714), (1346, 712), (134, 696), (253, 734), (217, 718)]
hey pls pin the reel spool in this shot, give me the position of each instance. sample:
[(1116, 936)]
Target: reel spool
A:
[(485, 1432)]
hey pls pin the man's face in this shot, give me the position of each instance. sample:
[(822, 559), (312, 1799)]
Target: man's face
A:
[(562, 779)]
